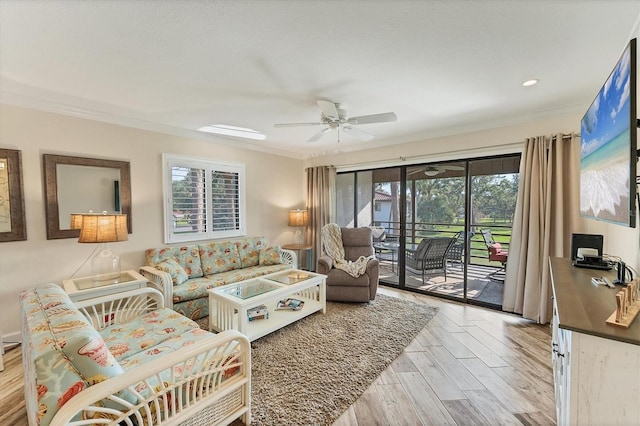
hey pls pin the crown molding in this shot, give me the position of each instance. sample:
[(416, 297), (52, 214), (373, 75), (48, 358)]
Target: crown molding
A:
[(57, 107)]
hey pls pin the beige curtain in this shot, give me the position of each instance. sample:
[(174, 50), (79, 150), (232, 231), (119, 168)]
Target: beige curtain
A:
[(546, 210), (321, 183)]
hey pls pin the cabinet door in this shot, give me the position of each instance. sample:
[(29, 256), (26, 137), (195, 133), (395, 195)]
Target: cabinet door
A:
[(560, 361)]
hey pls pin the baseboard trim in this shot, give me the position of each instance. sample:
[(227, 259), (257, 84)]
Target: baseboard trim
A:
[(9, 340)]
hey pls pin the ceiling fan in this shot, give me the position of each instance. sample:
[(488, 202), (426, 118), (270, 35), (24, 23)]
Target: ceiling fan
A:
[(334, 117), (436, 170)]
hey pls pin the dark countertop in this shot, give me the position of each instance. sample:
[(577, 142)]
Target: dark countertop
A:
[(583, 307)]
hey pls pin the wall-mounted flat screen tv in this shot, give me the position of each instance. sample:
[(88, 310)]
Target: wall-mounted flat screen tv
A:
[(609, 147)]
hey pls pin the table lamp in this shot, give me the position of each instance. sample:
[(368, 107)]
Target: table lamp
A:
[(298, 218), (103, 228)]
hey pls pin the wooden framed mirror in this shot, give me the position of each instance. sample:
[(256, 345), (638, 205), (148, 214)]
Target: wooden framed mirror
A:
[(80, 185), (13, 226)]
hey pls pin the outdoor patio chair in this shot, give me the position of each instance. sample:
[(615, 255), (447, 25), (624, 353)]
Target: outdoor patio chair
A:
[(456, 251), (435, 255), (386, 248), (430, 254), (495, 254)]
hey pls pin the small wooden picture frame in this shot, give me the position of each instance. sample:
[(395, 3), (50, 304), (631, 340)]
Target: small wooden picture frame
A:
[(13, 226)]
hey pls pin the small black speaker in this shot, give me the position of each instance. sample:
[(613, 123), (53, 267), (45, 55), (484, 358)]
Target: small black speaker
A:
[(593, 241)]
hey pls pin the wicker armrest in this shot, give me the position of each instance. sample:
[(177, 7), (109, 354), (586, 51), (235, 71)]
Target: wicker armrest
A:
[(161, 281), (290, 257), (214, 388), (120, 307)]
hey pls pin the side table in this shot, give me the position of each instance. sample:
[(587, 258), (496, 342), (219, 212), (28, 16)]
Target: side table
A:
[(299, 248), (85, 288)]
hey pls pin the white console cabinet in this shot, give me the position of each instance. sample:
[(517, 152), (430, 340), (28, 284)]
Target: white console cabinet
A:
[(560, 357), (596, 367)]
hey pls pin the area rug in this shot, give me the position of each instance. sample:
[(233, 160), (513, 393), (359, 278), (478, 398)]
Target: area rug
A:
[(311, 371)]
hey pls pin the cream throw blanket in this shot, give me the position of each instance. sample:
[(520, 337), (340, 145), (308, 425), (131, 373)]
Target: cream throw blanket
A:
[(331, 237)]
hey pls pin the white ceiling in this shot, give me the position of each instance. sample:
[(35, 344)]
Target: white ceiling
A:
[(444, 67)]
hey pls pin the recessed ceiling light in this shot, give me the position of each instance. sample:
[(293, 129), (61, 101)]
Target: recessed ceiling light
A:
[(240, 132), (530, 82)]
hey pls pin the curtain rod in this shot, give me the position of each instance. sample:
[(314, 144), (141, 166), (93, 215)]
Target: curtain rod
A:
[(564, 136), (415, 159), (326, 167)]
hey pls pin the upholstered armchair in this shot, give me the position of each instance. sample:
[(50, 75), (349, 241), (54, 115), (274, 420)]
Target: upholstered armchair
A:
[(343, 287)]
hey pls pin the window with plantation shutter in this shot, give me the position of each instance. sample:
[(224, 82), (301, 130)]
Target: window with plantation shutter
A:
[(204, 199)]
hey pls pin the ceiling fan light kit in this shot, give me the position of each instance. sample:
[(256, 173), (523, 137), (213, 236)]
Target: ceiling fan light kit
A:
[(336, 118), (432, 171)]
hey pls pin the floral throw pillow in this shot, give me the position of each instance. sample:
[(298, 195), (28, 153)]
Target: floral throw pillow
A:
[(173, 268), (270, 256)]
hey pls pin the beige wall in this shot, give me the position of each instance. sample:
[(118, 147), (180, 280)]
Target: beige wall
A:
[(275, 184)]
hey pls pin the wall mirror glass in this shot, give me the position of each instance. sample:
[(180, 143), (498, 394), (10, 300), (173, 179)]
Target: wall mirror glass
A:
[(80, 185)]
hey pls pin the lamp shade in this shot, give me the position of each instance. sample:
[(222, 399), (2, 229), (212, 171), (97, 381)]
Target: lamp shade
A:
[(298, 218), (76, 220), (103, 228)]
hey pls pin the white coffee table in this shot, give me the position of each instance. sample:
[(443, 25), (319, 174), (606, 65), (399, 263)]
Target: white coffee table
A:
[(228, 304)]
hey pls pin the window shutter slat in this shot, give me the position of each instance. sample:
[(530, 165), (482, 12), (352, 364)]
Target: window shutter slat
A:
[(188, 194), (204, 199)]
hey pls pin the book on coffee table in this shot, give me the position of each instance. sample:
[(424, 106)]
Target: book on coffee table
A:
[(257, 313), (290, 305)]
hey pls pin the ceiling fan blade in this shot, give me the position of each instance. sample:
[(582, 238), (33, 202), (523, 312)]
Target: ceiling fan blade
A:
[(373, 118), (329, 110), (317, 123), (318, 135), (357, 133), (452, 167)]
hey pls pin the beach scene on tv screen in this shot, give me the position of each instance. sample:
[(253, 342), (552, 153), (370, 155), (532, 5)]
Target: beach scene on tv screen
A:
[(605, 151)]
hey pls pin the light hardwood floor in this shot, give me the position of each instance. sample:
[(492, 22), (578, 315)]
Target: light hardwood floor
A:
[(468, 366)]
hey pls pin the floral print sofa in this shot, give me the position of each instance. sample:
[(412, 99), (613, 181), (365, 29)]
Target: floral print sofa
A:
[(127, 359), (185, 273)]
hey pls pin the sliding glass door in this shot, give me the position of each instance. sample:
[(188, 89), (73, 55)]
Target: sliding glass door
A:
[(435, 224), (387, 224), (428, 222), (494, 191)]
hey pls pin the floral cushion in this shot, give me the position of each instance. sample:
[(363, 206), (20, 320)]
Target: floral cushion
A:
[(249, 250), (219, 256), (196, 288), (193, 309), (56, 382), (170, 344), (57, 331), (173, 268), (90, 356), (187, 256), (252, 272), (144, 332), (270, 256)]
